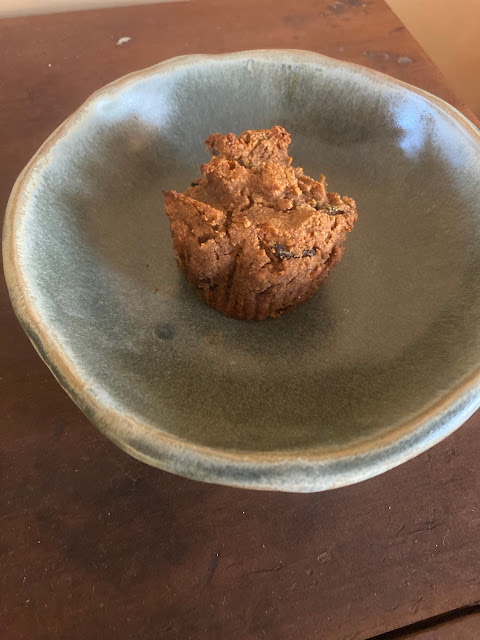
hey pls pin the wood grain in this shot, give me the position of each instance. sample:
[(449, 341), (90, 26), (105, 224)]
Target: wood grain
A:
[(93, 544)]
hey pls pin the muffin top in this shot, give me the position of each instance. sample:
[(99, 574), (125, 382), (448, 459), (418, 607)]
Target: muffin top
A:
[(253, 194)]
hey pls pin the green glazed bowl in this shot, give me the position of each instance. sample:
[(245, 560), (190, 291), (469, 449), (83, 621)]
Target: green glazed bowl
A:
[(381, 364)]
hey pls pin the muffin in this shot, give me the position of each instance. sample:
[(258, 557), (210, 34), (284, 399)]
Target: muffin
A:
[(254, 235)]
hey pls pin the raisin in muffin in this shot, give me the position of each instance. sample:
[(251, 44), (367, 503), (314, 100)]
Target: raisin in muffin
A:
[(254, 235)]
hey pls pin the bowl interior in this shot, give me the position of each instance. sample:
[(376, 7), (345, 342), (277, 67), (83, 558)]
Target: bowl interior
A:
[(393, 329)]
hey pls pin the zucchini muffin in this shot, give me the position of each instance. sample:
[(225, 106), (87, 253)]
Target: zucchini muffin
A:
[(254, 235)]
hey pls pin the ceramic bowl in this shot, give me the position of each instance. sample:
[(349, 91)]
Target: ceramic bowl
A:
[(381, 364)]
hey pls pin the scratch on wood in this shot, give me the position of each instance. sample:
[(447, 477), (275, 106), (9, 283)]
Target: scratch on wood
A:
[(341, 6), (416, 604), (324, 557), (269, 570), (377, 54), (426, 526), (167, 629), (211, 567)]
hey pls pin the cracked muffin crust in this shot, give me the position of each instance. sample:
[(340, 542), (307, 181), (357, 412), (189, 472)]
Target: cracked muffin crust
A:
[(254, 235)]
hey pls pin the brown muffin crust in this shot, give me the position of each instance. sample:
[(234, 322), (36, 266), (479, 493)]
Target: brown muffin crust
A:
[(254, 235)]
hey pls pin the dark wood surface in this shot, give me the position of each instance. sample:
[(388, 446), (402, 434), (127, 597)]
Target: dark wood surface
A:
[(94, 544)]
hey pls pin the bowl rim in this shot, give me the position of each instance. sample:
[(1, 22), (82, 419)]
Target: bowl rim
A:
[(288, 470)]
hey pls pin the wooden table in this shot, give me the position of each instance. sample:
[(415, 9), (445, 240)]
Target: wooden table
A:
[(94, 544)]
